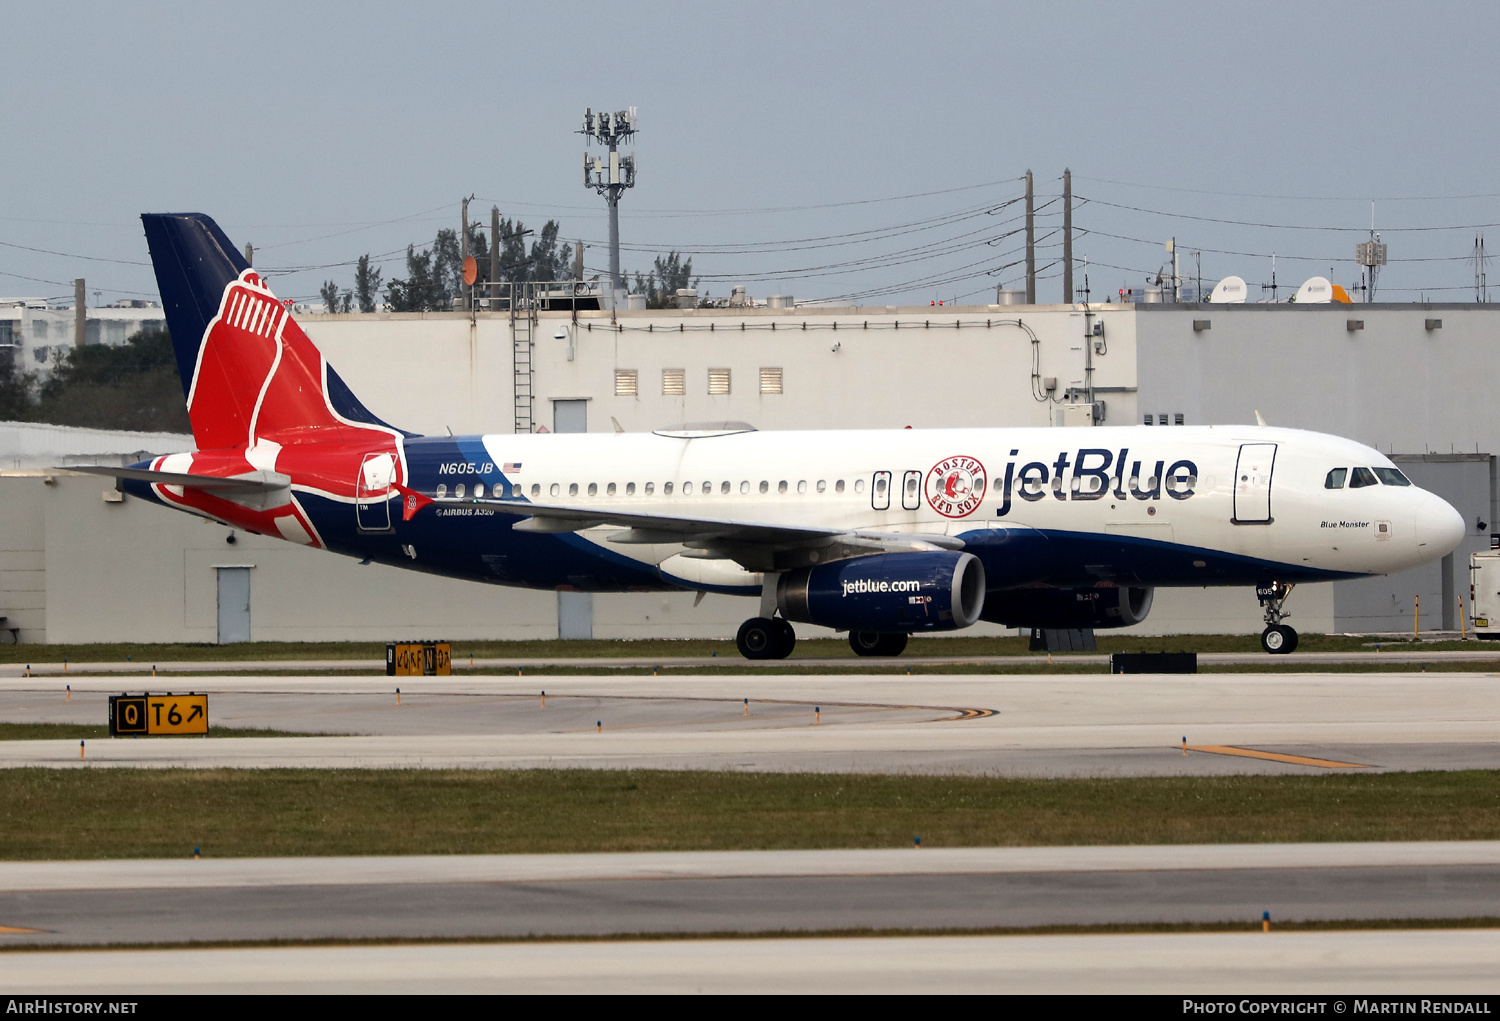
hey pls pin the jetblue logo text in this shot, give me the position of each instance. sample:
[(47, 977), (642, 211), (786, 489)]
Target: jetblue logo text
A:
[(863, 586), (1093, 474)]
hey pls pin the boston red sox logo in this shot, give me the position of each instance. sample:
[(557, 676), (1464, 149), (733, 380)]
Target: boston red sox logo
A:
[(955, 486)]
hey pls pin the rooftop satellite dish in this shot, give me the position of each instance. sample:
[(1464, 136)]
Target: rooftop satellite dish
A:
[(471, 271), (1317, 291), (1229, 291)]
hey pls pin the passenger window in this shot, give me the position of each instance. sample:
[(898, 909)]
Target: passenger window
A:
[(744, 487), (593, 489), (478, 490), (442, 491), (536, 489), (1392, 477), (708, 488), (609, 490), (802, 486), (880, 487), (572, 489), (650, 488), (822, 486), (666, 489), (630, 489), (555, 489), (765, 487), (1362, 477), (724, 489), (687, 489), (458, 490), (781, 486), (838, 487), (1335, 479), (859, 485)]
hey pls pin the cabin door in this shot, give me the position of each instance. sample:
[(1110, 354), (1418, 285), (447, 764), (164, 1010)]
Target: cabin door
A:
[(1252, 484), (372, 492)]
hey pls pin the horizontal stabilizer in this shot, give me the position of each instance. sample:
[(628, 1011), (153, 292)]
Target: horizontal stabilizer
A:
[(250, 482)]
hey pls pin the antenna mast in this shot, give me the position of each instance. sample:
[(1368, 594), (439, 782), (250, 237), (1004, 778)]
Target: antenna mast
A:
[(610, 178)]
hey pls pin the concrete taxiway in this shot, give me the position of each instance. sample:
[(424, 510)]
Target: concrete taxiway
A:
[(133, 902), (1452, 963), (1074, 725)]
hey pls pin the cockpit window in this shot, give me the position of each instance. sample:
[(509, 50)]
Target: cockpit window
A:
[(1392, 477), (1336, 478), (1362, 477)]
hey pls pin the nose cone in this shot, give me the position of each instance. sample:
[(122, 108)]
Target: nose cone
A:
[(1439, 528)]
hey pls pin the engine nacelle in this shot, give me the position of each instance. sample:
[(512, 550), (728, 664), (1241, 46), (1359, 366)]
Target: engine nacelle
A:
[(937, 591), (1069, 608)]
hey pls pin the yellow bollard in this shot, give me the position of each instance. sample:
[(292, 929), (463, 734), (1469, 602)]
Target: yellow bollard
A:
[(1416, 618), (1184, 745), (817, 714), (747, 707), (153, 669), (65, 666), (70, 693), (471, 662), (1265, 921), (1463, 624), (599, 727), (80, 749), (398, 696), (544, 700)]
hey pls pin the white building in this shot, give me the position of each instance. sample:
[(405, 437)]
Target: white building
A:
[(37, 334)]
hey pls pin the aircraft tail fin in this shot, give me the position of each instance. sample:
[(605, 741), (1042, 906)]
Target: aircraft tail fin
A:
[(248, 370)]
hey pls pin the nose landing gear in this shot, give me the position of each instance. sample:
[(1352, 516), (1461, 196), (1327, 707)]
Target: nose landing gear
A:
[(1278, 638)]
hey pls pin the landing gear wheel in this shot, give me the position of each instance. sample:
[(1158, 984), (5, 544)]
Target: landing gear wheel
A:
[(1278, 639), (788, 638), (877, 643), (759, 638)]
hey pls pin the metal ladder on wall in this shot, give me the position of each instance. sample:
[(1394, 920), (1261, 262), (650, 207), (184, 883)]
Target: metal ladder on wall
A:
[(521, 328)]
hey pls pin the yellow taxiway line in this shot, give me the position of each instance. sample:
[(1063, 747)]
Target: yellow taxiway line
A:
[(1296, 760)]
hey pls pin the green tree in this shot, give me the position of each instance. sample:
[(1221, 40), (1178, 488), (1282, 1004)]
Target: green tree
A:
[(335, 301), (16, 389), (414, 293), (134, 386), (366, 284), (668, 275)]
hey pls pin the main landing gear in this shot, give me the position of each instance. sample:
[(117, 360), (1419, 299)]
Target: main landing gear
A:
[(1278, 638), (765, 638), (877, 643)]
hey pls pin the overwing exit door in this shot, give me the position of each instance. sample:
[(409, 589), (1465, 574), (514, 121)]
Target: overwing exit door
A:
[(1252, 484)]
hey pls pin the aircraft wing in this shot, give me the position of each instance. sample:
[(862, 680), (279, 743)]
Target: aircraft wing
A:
[(251, 482), (755, 545)]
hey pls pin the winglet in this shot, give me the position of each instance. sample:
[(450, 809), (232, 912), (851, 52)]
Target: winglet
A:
[(411, 501), (1259, 418)]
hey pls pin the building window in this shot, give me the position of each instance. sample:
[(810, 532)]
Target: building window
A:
[(718, 381), (627, 383), (770, 380), (673, 382)]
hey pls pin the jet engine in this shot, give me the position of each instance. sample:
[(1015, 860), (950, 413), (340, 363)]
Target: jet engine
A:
[(1069, 608), (887, 592)]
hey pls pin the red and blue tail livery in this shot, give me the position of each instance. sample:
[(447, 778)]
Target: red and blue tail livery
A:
[(882, 534)]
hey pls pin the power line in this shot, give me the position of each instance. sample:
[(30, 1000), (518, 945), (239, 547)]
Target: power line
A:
[(1289, 226)]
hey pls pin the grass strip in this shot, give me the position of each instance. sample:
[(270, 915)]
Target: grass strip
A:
[(1109, 929), (142, 813), (91, 732), (821, 648)]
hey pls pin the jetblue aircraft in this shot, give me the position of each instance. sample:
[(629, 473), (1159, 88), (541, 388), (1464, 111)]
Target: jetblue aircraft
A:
[(882, 534)]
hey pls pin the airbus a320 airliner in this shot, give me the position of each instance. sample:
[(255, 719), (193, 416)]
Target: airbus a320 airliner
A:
[(882, 534)]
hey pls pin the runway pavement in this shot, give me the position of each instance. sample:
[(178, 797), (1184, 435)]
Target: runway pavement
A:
[(1076, 725), (91, 903)]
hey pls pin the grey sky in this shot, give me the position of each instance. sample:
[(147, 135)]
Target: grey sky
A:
[(287, 122)]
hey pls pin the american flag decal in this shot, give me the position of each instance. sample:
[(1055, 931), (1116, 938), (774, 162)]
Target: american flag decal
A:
[(510, 467)]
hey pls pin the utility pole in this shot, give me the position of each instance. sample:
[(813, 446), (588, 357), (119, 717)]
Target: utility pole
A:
[(1481, 287), (463, 253), (80, 314), (249, 254), (611, 179), (1067, 236), (1030, 242), (494, 255), (578, 261)]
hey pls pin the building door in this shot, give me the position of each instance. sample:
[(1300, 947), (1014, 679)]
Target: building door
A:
[(570, 416), (372, 492), (234, 604), (1252, 484), (575, 610)]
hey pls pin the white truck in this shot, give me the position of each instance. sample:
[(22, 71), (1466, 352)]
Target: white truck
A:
[(1484, 593)]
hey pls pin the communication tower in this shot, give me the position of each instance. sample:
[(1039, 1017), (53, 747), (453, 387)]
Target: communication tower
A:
[(612, 175)]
